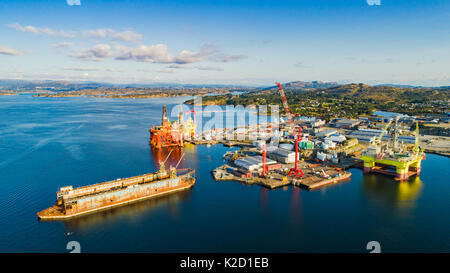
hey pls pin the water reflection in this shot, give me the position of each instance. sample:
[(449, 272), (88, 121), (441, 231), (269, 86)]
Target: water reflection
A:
[(394, 194), (169, 156), (296, 205), (172, 155), (264, 198)]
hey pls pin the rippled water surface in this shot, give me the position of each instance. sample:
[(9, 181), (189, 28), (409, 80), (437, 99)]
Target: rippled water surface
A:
[(46, 143)]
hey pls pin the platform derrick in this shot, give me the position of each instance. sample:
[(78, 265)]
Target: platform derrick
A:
[(391, 157), (169, 134)]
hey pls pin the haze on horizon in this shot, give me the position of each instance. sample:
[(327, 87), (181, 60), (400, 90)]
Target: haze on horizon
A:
[(226, 41)]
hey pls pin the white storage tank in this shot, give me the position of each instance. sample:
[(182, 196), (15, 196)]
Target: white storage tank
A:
[(287, 146), (321, 156)]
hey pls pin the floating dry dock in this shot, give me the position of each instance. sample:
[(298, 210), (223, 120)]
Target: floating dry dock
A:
[(73, 202)]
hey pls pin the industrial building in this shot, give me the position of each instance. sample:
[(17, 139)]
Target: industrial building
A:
[(347, 123), (325, 133), (369, 135), (252, 163), (282, 155), (336, 138)]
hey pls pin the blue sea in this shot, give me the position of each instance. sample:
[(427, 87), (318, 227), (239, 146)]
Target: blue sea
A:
[(46, 143)]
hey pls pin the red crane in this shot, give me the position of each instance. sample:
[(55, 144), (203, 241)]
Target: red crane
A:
[(264, 166), (296, 170), (285, 103)]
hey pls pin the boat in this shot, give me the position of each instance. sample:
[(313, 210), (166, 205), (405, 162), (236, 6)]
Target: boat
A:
[(72, 202)]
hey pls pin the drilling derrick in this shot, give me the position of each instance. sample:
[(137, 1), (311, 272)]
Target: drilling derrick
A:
[(169, 134)]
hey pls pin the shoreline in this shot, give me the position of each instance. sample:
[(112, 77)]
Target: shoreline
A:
[(441, 153), (117, 96)]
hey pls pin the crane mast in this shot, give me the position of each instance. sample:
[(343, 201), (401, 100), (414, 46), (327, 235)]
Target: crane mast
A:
[(285, 103)]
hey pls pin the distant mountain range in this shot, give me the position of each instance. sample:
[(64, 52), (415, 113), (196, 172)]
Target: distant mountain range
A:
[(309, 85), (302, 85), (335, 88), (62, 86)]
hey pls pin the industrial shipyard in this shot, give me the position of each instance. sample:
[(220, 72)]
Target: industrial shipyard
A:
[(301, 151), (224, 136)]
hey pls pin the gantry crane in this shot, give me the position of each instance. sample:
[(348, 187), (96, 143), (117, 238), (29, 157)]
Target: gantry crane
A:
[(264, 161), (296, 170)]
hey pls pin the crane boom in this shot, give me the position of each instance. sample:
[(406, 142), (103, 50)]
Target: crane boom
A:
[(383, 132), (285, 103)]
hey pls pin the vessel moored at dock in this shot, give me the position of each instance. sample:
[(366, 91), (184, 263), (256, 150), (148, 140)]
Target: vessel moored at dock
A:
[(72, 202)]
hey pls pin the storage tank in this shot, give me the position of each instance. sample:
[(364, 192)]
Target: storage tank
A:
[(287, 146), (321, 156)]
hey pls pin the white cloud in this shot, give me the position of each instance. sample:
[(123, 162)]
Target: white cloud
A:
[(126, 36), (62, 45), (187, 56), (227, 58), (159, 53), (96, 33), (97, 53), (46, 30), (82, 69), (209, 68), (19, 27), (5, 50), (153, 54), (167, 70), (178, 66), (60, 33)]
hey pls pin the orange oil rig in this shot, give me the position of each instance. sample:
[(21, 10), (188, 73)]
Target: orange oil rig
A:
[(171, 134)]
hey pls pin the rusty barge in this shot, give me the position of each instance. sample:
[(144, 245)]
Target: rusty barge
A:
[(72, 202)]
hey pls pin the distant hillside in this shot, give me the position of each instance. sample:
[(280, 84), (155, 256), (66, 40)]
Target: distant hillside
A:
[(309, 85), (300, 86), (354, 90), (23, 85), (347, 100), (388, 93)]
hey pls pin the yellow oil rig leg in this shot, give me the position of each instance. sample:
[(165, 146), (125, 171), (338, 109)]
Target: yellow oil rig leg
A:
[(368, 165), (416, 167)]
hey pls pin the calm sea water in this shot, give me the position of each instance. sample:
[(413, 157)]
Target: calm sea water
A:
[(46, 143)]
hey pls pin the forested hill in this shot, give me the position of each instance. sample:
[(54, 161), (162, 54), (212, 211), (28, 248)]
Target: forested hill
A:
[(349, 99)]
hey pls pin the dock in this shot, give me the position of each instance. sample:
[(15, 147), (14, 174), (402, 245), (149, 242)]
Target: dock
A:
[(314, 182), (316, 176)]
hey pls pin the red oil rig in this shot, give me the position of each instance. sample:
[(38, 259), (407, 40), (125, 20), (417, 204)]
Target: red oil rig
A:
[(171, 134)]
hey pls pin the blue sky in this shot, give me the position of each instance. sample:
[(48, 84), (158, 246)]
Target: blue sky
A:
[(237, 42)]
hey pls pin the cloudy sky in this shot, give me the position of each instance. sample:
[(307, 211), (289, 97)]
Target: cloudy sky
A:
[(226, 41)]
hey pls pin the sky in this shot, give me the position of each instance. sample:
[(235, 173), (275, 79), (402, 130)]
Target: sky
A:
[(245, 42)]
